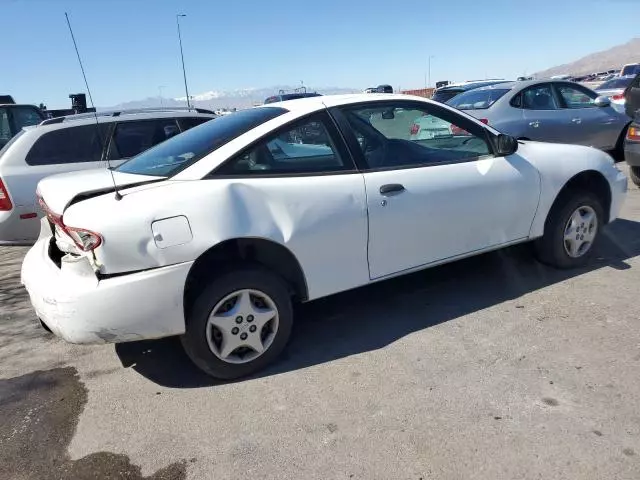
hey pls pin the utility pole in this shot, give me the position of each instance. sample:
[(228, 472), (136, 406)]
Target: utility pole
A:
[(160, 87), (184, 72), (430, 57)]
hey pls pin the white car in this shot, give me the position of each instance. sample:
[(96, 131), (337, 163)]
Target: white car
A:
[(213, 234), (76, 142)]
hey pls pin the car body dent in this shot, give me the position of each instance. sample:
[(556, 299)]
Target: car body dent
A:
[(325, 226)]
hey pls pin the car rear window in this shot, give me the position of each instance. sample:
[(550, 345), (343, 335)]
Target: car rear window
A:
[(616, 83), (177, 153), (478, 99), (446, 95), (69, 145)]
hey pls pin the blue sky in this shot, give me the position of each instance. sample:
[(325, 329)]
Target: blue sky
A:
[(130, 47)]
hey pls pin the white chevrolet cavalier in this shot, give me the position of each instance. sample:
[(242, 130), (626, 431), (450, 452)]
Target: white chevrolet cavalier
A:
[(213, 234)]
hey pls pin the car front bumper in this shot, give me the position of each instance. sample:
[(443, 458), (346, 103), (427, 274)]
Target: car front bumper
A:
[(619, 185), (80, 308)]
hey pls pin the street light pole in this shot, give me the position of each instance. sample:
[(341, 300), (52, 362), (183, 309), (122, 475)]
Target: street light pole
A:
[(184, 72)]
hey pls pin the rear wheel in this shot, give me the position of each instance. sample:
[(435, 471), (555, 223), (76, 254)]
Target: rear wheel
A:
[(571, 230), (239, 323), (634, 174)]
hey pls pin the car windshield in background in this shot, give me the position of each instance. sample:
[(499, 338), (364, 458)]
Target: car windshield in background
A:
[(477, 99), (446, 95), (630, 70), (177, 153), (616, 83)]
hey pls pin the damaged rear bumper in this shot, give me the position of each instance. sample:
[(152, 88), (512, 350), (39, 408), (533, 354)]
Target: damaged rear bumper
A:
[(80, 308)]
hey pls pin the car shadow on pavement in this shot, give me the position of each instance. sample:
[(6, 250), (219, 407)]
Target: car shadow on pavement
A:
[(372, 317)]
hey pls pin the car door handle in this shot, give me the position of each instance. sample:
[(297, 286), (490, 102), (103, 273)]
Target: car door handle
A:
[(535, 124), (576, 120), (391, 188)]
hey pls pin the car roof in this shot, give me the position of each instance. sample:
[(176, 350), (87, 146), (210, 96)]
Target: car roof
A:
[(18, 105), (317, 103), (118, 116), (470, 85)]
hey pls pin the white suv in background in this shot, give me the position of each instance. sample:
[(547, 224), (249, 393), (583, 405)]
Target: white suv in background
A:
[(76, 142)]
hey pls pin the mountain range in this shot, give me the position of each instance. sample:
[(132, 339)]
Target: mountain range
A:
[(218, 99), (602, 61)]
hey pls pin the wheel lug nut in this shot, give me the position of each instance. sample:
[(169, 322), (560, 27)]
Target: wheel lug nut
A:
[(243, 336), (252, 328), (250, 318), (235, 330), (238, 319)]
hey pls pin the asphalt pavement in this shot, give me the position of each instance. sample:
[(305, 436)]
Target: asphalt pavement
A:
[(491, 368)]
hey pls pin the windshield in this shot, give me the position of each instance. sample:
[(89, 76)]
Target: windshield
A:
[(177, 153), (477, 99), (616, 83)]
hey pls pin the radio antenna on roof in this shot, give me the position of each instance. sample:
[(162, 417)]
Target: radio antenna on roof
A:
[(75, 45)]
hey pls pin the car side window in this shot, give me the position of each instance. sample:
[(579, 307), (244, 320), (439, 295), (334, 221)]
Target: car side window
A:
[(306, 147), (134, 137), (397, 136), (538, 97), (69, 145), (576, 97)]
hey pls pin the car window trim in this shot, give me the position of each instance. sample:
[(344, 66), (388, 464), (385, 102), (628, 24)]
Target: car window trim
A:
[(333, 132), (354, 147)]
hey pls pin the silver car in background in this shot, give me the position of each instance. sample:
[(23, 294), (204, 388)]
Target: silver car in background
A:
[(614, 90), (548, 111)]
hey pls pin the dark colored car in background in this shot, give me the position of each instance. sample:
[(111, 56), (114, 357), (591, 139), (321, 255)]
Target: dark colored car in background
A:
[(444, 94), (13, 117), (632, 97), (632, 150), (281, 97)]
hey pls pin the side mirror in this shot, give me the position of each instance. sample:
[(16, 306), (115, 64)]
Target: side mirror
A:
[(506, 145), (602, 102), (388, 114)]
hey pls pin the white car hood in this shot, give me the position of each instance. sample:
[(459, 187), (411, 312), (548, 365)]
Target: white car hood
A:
[(59, 190)]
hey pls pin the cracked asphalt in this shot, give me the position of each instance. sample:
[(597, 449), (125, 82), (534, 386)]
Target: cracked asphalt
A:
[(494, 368)]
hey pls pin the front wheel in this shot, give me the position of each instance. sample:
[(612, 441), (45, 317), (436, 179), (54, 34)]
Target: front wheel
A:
[(634, 174), (239, 323), (571, 230)]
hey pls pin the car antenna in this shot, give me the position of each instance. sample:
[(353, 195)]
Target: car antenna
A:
[(75, 45)]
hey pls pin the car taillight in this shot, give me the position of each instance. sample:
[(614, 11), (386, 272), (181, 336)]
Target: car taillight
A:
[(619, 96), (415, 129), (633, 134), (5, 201), (85, 240)]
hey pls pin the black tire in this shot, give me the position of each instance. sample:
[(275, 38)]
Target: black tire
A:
[(550, 248), (195, 342), (634, 175)]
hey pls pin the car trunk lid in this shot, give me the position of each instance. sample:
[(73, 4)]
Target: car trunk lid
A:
[(60, 191)]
